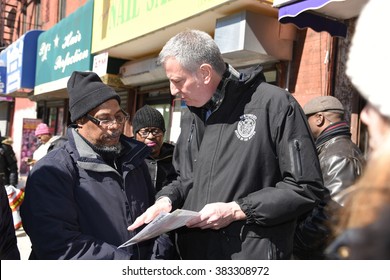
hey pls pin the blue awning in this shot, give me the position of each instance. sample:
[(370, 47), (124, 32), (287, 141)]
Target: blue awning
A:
[(321, 15)]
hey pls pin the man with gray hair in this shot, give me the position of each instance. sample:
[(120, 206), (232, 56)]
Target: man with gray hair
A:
[(245, 157)]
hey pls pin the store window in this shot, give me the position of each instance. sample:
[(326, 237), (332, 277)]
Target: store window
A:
[(53, 114)]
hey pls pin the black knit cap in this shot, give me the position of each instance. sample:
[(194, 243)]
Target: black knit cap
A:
[(87, 91), (148, 117)]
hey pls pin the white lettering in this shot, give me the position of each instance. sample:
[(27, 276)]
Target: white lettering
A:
[(71, 39), (44, 49), (62, 63)]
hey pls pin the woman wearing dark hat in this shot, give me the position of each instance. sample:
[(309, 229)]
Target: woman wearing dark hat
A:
[(149, 128)]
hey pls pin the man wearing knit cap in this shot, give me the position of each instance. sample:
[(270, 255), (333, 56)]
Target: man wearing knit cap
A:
[(340, 159), (81, 197)]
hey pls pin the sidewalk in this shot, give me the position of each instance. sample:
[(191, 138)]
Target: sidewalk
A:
[(24, 244)]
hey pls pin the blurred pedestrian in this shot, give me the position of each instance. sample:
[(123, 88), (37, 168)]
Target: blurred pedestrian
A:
[(340, 159), (10, 176), (8, 163), (81, 197), (362, 231), (47, 143), (245, 157)]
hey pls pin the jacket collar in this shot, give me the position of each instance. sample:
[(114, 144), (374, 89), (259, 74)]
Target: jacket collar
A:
[(135, 152)]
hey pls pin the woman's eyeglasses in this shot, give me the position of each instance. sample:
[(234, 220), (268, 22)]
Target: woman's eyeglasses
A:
[(144, 133)]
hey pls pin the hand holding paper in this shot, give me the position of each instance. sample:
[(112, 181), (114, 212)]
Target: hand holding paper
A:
[(163, 223)]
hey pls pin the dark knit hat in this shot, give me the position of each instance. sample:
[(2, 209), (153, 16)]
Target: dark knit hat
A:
[(148, 117), (87, 91)]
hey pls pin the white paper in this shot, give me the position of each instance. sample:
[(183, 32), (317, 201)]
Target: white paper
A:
[(161, 224)]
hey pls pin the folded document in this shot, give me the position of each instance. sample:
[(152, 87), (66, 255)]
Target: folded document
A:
[(163, 223)]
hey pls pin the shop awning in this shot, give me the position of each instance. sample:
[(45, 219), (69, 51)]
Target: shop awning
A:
[(18, 70), (320, 15), (64, 48)]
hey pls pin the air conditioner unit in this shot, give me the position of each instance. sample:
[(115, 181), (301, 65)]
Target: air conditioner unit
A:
[(250, 38), (142, 72)]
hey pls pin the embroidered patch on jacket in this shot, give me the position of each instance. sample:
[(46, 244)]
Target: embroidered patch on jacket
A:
[(246, 127)]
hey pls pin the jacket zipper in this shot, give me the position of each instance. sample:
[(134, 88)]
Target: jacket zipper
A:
[(299, 162)]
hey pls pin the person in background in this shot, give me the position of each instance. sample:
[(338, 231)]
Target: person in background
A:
[(245, 157), (47, 142), (340, 159), (8, 163), (81, 197), (10, 176), (149, 128), (364, 222), (8, 242)]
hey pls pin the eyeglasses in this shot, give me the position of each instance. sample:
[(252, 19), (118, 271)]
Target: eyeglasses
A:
[(107, 123), (144, 133)]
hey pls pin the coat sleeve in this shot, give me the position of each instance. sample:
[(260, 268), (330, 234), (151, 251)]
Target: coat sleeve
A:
[(49, 215), (300, 187), (178, 189)]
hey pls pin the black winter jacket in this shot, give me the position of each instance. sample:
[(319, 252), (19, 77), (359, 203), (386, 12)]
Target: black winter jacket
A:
[(78, 207), (161, 169), (8, 164), (255, 149)]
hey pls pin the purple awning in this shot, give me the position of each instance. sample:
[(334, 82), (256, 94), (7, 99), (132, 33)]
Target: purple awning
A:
[(321, 15)]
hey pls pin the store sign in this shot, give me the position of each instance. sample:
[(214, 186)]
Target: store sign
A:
[(20, 60), (100, 63), (119, 21), (64, 48)]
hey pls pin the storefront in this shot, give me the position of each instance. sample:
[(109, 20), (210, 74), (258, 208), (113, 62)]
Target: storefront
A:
[(247, 32), (337, 18), (64, 48), (19, 60)]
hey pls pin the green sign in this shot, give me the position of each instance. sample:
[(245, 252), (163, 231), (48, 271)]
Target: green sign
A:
[(64, 48)]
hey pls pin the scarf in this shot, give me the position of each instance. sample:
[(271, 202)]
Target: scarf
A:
[(333, 130)]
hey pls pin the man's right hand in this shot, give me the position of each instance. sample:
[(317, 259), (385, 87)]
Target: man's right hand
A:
[(163, 204)]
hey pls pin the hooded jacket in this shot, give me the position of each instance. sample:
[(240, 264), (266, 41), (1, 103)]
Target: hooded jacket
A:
[(255, 149), (78, 207)]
